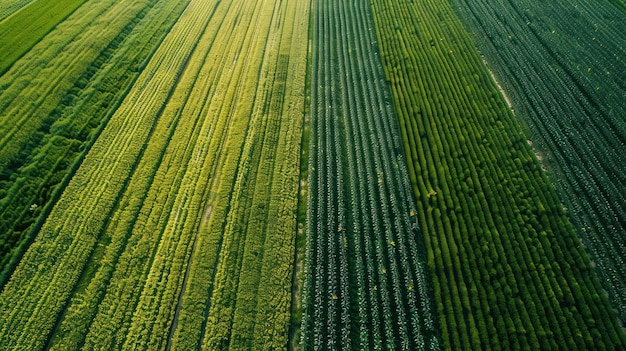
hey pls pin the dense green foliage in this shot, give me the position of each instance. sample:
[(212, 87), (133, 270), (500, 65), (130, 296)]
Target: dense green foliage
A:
[(508, 270), (22, 30), (66, 123), (563, 65), (365, 284)]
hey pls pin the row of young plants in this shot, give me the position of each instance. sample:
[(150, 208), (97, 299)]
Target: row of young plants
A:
[(365, 281), (38, 293), (570, 93), (150, 233), (67, 118), (508, 270)]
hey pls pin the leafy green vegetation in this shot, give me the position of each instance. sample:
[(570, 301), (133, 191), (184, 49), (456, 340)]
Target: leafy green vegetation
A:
[(508, 269), (365, 286), (574, 108)]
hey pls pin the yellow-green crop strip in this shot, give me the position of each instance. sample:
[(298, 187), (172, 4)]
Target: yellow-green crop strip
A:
[(179, 226), (67, 126)]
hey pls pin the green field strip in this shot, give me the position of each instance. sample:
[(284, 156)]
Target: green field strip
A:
[(38, 82), (69, 235), (20, 32), (244, 231), (95, 96), (508, 270), (266, 141), (229, 230), (365, 281), (9, 7), (143, 221), (573, 108)]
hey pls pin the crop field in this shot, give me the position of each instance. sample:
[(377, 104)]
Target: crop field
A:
[(312, 175), (45, 141), (179, 207), (574, 108), (366, 286), (20, 30), (508, 270)]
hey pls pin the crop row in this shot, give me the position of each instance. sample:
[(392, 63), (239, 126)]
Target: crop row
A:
[(574, 109), (508, 270), (365, 285)]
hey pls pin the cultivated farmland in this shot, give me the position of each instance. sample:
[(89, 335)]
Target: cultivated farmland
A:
[(178, 195), (563, 64), (311, 175), (365, 286), (73, 95), (508, 269)]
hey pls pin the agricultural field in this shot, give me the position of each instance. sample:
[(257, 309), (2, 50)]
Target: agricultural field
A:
[(20, 30), (312, 175), (73, 94), (563, 66), (508, 270), (179, 207), (366, 287)]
